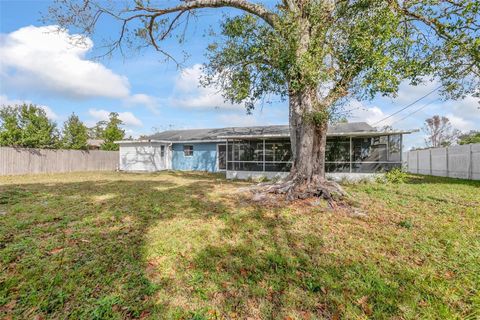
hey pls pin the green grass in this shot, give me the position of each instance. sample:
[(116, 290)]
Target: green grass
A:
[(190, 246)]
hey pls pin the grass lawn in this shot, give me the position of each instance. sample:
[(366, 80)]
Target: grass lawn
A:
[(189, 246)]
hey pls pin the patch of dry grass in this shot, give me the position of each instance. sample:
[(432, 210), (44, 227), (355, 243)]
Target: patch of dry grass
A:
[(189, 246)]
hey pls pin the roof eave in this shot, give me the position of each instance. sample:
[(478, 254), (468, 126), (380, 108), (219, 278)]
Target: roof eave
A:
[(141, 141), (167, 141), (370, 133), (272, 136), (333, 134)]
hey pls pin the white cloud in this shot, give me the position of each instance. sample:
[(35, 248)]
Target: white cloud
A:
[(142, 99), (468, 108), (46, 59), (127, 117), (460, 123), (464, 113), (54, 61), (189, 94), (408, 93), (5, 101), (50, 113), (369, 114)]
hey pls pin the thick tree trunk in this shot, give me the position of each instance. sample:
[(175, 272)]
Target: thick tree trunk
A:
[(308, 140), (308, 135)]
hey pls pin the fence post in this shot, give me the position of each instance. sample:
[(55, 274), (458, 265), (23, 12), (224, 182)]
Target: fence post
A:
[(470, 165), (408, 161), (430, 153), (418, 169), (446, 157)]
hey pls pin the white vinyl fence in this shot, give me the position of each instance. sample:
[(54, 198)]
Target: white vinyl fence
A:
[(15, 161), (455, 162)]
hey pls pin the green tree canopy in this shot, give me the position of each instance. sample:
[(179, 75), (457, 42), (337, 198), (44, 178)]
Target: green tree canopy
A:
[(10, 131), (96, 132), (27, 126), (74, 135), (468, 138), (112, 132)]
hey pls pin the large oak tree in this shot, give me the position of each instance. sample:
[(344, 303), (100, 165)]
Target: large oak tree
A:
[(316, 53)]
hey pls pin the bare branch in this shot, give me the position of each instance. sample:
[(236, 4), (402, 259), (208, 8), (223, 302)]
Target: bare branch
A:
[(246, 6), (150, 15), (154, 42)]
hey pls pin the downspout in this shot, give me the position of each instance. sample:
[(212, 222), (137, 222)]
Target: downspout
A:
[(170, 157)]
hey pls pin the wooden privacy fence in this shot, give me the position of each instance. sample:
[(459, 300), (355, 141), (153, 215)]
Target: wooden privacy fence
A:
[(24, 161), (455, 162)]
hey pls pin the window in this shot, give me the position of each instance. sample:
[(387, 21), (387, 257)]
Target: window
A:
[(162, 151), (278, 151), (249, 155), (343, 154), (394, 147), (337, 150), (247, 151), (222, 160), (370, 149), (188, 150)]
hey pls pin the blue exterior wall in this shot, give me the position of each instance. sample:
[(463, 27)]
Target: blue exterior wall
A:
[(204, 157)]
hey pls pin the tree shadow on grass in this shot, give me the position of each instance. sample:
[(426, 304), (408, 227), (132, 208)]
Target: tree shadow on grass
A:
[(177, 248), (77, 249), (268, 269)]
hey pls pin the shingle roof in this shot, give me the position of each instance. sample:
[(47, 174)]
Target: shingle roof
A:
[(95, 142), (278, 130)]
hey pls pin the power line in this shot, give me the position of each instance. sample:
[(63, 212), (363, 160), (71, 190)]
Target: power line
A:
[(407, 106), (412, 113)]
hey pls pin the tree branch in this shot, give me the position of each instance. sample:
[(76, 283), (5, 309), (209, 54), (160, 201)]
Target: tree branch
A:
[(246, 6)]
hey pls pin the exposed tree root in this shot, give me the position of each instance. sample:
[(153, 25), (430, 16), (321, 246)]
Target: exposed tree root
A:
[(294, 188)]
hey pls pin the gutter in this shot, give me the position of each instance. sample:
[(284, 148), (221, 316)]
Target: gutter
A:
[(167, 141), (140, 141), (264, 136), (340, 134)]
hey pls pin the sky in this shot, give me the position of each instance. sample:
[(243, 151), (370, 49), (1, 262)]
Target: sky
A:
[(40, 66)]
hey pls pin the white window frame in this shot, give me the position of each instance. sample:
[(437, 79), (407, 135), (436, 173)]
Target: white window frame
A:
[(218, 158), (184, 147)]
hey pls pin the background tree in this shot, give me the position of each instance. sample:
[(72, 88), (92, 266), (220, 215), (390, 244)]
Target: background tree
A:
[(468, 138), (316, 53), (440, 132), (37, 130), (75, 134), (27, 126), (112, 132), (10, 131), (96, 132)]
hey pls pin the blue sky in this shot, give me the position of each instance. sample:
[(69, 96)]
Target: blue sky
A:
[(42, 67)]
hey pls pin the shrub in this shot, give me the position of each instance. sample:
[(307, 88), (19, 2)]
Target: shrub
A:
[(396, 175)]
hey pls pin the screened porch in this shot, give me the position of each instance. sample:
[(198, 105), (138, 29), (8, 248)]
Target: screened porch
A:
[(354, 154)]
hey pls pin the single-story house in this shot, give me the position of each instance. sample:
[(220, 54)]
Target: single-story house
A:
[(243, 152), (94, 144)]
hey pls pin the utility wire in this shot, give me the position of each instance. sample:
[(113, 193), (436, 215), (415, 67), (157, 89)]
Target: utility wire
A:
[(407, 106), (412, 113)]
